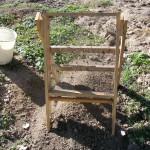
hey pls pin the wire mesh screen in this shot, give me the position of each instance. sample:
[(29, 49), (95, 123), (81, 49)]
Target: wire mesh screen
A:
[(79, 31), (85, 31)]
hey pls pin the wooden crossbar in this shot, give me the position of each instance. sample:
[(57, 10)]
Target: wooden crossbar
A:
[(82, 68), (85, 49), (83, 100), (76, 14), (80, 93)]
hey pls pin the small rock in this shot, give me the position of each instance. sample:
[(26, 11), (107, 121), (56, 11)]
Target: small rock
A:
[(26, 125), (148, 25), (148, 143), (6, 99), (47, 142), (7, 79), (139, 80), (108, 59), (123, 133), (146, 124), (23, 115), (125, 125), (130, 129), (130, 32), (22, 147)]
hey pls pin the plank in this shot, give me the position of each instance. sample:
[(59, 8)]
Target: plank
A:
[(122, 49), (38, 16), (83, 100), (86, 49), (90, 14), (47, 74), (116, 72), (39, 24), (83, 68), (79, 93)]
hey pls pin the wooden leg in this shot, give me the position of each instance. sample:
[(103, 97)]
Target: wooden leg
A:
[(113, 118), (48, 113)]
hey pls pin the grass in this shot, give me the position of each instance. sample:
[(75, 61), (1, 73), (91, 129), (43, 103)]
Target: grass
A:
[(28, 42), (140, 134), (106, 2), (136, 64), (68, 34), (138, 105), (6, 120), (42, 8), (8, 19), (96, 3), (2, 78)]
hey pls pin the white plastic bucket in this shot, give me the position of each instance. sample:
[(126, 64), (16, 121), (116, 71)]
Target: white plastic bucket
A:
[(7, 43)]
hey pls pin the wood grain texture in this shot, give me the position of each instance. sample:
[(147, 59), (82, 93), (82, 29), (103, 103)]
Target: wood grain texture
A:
[(39, 24), (47, 68), (83, 68), (85, 49), (116, 73), (122, 48), (79, 93), (90, 14), (83, 100)]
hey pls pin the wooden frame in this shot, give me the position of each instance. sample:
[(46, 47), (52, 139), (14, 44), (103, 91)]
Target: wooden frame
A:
[(43, 25)]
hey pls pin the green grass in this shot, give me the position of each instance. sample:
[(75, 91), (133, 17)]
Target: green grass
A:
[(106, 2), (42, 8), (8, 19), (140, 134), (28, 42), (96, 3), (6, 120), (138, 105), (135, 65), (2, 78)]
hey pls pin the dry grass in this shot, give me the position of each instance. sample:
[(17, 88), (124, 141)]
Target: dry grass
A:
[(96, 3)]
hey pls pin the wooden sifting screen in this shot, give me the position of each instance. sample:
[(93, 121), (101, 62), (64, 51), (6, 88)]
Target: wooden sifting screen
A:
[(51, 94)]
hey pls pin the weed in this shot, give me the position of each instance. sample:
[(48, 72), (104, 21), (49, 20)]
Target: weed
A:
[(135, 65), (140, 134), (6, 120), (64, 32), (42, 8), (2, 78), (76, 8), (3, 140), (31, 48), (96, 3), (138, 106), (106, 2), (7, 20)]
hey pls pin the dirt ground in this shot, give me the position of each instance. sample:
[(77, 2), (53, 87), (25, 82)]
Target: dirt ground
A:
[(75, 126)]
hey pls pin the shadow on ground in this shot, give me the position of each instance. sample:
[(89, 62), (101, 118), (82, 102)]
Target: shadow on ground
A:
[(26, 79), (93, 137)]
